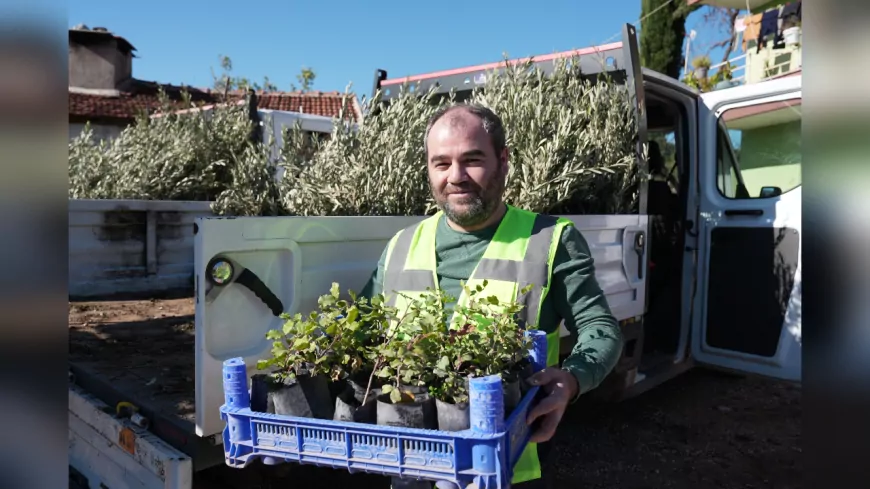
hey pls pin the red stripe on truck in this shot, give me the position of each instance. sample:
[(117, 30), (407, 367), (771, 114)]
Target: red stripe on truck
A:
[(489, 66)]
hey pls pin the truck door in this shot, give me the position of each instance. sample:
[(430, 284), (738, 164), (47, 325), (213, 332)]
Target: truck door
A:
[(748, 286), (250, 270)]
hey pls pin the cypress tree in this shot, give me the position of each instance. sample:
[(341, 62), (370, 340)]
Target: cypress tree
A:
[(662, 34)]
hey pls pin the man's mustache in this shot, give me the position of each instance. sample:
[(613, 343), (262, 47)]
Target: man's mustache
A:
[(461, 189)]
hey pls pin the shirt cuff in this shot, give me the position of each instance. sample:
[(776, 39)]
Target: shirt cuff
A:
[(583, 380)]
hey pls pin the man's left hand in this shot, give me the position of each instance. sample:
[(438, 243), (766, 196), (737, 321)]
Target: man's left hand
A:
[(561, 386)]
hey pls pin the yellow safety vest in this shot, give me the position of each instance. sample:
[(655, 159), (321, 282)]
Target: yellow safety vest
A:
[(521, 253)]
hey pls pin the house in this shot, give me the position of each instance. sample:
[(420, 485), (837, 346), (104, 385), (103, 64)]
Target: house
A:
[(780, 53), (104, 91)]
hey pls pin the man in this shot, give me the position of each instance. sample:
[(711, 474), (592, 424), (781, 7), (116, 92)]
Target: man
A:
[(477, 236)]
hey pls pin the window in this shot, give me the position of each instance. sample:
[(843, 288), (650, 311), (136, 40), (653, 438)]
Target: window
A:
[(759, 150), (663, 158)]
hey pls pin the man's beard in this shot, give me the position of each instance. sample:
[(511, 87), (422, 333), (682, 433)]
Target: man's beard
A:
[(478, 207)]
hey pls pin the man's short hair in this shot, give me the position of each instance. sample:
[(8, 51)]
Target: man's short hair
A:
[(492, 124)]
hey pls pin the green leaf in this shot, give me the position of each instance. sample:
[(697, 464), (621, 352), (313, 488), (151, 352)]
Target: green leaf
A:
[(334, 290), (386, 389), (395, 396), (444, 363), (352, 314)]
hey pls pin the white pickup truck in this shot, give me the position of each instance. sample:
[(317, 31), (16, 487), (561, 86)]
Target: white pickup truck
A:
[(707, 272)]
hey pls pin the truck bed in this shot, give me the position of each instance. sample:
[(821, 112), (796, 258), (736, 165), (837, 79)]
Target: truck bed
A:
[(143, 349)]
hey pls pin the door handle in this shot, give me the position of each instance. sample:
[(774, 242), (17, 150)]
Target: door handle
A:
[(744, 212), (639, 245)]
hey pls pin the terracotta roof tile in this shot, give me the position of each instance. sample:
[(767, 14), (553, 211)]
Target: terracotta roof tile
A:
[(138, 96)]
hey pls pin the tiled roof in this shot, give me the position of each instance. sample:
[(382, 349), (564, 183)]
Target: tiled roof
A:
[(138, 96)]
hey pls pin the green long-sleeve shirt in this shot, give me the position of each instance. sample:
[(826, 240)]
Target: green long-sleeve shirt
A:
[(574, 295)]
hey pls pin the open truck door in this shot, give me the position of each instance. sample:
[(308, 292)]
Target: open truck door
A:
[(748, 299)]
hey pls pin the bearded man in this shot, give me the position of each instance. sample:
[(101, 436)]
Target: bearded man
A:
[(475, 235)]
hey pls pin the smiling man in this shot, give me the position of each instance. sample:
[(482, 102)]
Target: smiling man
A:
[(475, 235)]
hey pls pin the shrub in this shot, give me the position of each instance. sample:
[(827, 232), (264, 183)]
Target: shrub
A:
[(572, 147)]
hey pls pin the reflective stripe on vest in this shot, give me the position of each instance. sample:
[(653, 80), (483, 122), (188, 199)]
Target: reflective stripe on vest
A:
[(520, 253)]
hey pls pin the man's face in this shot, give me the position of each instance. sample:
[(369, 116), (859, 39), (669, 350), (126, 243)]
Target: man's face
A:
[(466, 176)]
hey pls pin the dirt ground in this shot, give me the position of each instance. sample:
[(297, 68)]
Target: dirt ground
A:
[(701, 430), (144, 347)]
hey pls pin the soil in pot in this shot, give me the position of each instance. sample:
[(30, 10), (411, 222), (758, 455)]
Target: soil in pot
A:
[(419, 413), (306, 397), (452, 417)]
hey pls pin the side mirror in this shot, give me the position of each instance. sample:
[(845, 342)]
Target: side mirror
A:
[(767, 192)]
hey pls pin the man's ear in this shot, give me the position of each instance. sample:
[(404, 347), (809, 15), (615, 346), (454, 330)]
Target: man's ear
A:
[(504, 159)]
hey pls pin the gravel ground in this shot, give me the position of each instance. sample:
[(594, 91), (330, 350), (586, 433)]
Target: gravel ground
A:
[(700, 430)]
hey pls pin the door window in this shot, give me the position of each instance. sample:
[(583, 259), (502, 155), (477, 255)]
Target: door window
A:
[(759, 150)]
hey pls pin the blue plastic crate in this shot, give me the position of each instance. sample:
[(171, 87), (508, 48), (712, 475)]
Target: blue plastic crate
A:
[(484, 454)]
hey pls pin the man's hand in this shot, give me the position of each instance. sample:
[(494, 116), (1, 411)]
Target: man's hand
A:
[(560, 387)]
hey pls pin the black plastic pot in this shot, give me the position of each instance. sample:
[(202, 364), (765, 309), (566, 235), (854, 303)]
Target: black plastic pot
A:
[(512, 393), (452, 417), (420, 413), (260, 400), (524, 370), (306, 397), (349, 403)]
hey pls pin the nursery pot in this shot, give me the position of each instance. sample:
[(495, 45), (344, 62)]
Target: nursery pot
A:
[(701, 72), (419, 413), (524, 370), (512, 392), (452, 417), (349, 403), (261, 401), (306, 397)]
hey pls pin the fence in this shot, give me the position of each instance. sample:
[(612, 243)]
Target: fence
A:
[(131, 246)]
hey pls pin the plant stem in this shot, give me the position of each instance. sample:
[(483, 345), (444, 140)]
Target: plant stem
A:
[(371, 379)]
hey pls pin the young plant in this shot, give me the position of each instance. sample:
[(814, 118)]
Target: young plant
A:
[(500, 343), (327, 342), (410, 347), (485, 338)]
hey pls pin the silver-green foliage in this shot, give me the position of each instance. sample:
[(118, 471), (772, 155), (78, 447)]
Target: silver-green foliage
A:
[(190, 156), (572, 150)]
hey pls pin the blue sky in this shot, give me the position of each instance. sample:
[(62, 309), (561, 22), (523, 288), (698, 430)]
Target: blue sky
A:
[(343, 41)]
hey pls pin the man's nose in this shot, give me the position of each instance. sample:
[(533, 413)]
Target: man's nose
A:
[(457, 173)]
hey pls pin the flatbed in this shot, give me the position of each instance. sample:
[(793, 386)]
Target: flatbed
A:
[(142, 352), (144, 348)]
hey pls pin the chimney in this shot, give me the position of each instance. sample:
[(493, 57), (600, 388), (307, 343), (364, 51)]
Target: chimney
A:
[(98, 59)]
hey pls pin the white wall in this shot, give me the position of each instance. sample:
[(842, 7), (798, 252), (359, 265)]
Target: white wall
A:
[(131, 246)]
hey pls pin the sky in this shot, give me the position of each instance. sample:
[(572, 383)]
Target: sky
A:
[(344, 41)]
